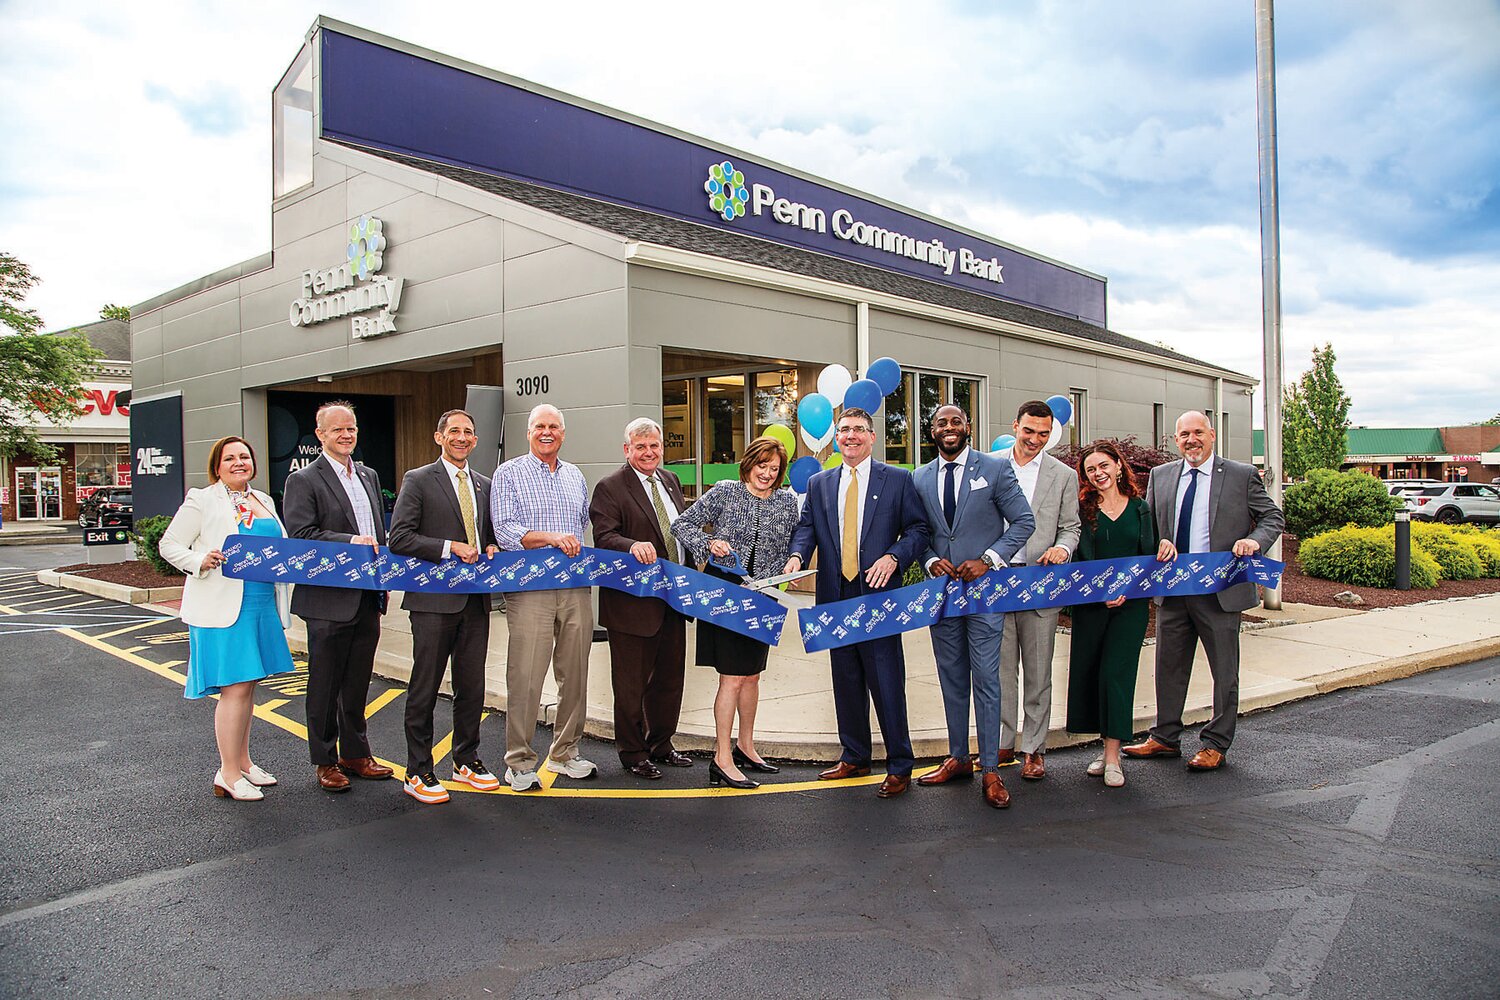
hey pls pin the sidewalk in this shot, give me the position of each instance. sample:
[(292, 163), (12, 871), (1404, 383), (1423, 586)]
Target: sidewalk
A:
[(1318, 650)]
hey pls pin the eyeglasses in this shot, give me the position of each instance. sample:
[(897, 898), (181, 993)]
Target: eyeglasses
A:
[(855, 429)]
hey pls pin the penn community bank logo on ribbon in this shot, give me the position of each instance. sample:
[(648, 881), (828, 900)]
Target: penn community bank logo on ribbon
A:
[(366, 246), (726, 191)]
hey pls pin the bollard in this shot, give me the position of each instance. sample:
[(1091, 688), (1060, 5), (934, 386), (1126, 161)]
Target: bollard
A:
[(1403, 550)]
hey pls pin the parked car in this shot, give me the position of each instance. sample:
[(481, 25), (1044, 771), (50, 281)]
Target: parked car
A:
[(1401, 487), (1455, 503), (107, 507)]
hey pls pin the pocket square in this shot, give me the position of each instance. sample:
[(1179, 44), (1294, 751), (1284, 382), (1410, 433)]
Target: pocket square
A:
[(978, 483)]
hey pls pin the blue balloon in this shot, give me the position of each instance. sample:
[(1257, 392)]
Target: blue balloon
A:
[(1061, 407), (815, 414), (886, 373), (1003, 442), (864, 394), (802, 470)]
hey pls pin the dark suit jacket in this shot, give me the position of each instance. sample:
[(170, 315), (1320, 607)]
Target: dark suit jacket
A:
[(895, 522), (1238, 508), (622, 515), (315, 506), (427, 515)]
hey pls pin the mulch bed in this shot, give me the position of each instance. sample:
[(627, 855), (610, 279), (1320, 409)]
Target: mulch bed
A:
[(129, 574)]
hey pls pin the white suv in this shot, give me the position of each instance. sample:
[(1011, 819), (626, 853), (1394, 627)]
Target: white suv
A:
[(1455, 503)]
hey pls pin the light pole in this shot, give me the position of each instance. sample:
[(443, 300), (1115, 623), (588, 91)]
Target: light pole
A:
[(1270, 257)]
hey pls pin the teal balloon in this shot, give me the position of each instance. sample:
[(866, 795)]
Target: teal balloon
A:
[(803, 470), (886, 373), (1003, 442), (1062, 408), (864, 394), (815, 414)]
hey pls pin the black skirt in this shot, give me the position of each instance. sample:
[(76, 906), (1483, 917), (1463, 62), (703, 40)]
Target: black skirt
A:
[(729, 652)]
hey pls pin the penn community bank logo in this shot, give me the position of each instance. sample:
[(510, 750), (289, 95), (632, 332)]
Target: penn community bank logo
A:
[(726, 191), (366, 246)]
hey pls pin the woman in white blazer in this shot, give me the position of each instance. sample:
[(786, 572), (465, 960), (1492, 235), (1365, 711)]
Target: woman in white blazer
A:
[(236, 630)]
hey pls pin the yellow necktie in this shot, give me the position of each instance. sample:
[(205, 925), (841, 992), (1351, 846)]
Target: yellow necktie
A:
[(851, 527), (466, 507), (663, 522)]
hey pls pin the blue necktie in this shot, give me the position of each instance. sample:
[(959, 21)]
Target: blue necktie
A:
[(950, 494), (1185, 519)]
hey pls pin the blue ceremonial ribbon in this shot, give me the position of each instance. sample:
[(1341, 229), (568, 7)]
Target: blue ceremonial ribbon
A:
[(336, 564), (1022, 588)]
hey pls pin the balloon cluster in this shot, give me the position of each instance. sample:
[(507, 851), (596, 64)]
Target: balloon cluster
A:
[(1062, 415), (837, 387)]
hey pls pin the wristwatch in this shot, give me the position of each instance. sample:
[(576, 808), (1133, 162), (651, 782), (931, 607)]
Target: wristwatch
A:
[(989, 561)]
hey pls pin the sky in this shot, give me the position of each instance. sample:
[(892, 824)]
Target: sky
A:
[(1118, 137)]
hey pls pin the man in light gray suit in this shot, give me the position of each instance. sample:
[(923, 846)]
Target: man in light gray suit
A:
[(979, 520), (1203, 504), (1051, 489)]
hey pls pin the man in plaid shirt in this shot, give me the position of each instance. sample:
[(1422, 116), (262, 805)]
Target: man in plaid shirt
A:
[(539, 501)]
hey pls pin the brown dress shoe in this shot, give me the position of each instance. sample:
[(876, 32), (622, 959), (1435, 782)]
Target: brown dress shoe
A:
[(1207, 759), (365, 767), (1033, 769), (893, 785), (1008, 756), (843, 769), (1151, 747), (949, 770), (994, 791), (331, 779)]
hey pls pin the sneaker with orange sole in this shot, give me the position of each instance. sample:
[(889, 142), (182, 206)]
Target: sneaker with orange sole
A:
[(425, 788), (476, 775)]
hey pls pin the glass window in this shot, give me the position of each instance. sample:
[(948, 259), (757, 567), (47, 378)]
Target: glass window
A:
[(1078, 426), (292, 127), (723, 427), (1158, 424), (932, 391), (898, 423), (909, 410), (680, 429), (775, 399), (96, 465)]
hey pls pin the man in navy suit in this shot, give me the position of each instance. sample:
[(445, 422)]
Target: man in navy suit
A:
[(980, 519), (867, 525)]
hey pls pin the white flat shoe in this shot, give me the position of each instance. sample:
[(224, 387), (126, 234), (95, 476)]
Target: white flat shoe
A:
[(260, 778), (240, 791), (1097, 767), (1114, 777)]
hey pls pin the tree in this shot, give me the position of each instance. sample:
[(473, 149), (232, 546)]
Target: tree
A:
[(112, 311), (1315, 418), (41, 375), (1492, 422)]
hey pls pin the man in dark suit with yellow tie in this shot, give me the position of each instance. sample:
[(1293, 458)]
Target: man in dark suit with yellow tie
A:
[(443, 510), (867, 524)]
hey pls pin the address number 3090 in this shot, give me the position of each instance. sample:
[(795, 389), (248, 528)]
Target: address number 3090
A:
[(533, 385)]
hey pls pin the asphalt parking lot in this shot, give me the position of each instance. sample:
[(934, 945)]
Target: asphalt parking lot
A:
[(1350, 850)]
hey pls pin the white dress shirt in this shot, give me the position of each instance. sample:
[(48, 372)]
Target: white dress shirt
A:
[(1027, 475), (1201, 510), (962, 461), (864, 490), (661, 487), (453, 471), (354, 489)]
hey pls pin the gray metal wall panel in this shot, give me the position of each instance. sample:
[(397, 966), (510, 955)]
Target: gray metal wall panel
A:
[(210, 356), (692, 322), (520, 241), (564, 327), (474, 335), (562, 272), (319, 213), (219, 320)]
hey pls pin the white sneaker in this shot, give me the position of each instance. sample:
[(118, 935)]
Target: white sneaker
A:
[(575, 768), (260, 778), (476, 775), (1114, 777), (240, 791), (522, 781), (1097, 767)]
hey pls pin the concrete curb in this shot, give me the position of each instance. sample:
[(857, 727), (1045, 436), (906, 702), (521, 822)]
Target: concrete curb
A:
[(109, 591)]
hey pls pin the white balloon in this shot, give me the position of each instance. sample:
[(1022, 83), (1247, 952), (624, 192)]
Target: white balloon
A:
[(812, 443), (833, 381), (1056, 438), (827, 438)]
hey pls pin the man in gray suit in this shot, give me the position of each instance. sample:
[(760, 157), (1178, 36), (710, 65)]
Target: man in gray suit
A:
[(979, 520), (1051, 489), (441, 511), (1203, 504), (336, 499)]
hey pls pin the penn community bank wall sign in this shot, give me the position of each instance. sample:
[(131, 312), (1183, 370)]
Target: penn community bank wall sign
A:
[(353, 288)]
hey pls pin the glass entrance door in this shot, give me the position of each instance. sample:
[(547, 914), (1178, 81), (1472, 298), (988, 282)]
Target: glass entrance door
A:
[(39, 494)]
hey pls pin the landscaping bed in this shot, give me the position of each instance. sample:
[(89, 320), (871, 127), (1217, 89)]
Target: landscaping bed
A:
[(129, 574)]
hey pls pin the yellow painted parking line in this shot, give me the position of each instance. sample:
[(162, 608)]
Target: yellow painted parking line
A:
[(128, 628), (441, 749), (381, 700)]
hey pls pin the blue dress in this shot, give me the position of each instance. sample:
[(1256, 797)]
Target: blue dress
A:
[(254, 647)]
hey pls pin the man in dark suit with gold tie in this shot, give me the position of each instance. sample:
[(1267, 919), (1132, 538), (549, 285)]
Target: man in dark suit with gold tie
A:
[(443, 510)]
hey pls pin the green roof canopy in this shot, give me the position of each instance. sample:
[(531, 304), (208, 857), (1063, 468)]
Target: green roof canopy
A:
[(1392, 441)]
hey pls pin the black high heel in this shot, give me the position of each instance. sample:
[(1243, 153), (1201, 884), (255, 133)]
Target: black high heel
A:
[(744, 760), (716, 776)]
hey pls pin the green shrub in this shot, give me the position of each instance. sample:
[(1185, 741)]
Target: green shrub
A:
[(147, 537), (1364, 557), (1329, 500), (1486, 546), (1455, 553)]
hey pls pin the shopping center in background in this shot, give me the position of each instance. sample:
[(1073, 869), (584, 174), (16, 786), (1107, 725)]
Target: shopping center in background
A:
[(438, 225)]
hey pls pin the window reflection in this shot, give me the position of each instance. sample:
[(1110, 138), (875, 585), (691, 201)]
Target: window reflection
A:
[(292, 127)]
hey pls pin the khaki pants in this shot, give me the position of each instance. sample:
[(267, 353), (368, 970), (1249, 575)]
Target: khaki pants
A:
[(555, 626)]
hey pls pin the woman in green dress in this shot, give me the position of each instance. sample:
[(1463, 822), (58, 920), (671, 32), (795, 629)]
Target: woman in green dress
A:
[(1107, 636)]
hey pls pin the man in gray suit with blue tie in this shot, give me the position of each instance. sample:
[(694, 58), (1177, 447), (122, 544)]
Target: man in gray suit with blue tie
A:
[(978, 519), (1203, 503)]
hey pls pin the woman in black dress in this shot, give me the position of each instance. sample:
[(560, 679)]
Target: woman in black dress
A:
[(1106, 643), (751, 518)]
